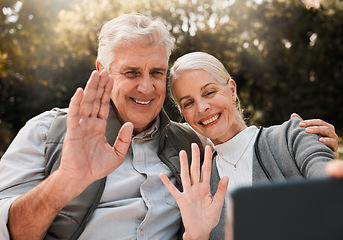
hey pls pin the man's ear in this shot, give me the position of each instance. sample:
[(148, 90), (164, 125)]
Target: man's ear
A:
[(99, 66)]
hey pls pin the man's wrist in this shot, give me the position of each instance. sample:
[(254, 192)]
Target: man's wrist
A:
[(68, 187), (195, 237)]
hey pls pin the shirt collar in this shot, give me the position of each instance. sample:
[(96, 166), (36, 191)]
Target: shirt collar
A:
[(150, 132)]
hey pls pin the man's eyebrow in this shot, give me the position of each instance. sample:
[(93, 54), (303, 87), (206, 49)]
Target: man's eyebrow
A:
[(129, 68), (162, 69)]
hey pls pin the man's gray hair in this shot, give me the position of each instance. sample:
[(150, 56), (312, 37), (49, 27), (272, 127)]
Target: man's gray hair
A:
[(131, 28)]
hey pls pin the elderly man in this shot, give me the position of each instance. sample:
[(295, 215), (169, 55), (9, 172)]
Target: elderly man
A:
[(104, 183), (89, 189)]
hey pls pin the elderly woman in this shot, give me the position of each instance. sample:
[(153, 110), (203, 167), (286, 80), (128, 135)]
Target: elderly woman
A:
[(207, 97)]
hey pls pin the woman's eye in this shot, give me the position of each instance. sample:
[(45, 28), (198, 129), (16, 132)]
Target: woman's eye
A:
[(187, 104), (210, 93)]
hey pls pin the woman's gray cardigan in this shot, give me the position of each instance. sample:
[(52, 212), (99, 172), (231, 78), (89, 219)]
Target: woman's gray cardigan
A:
[(283, 152)]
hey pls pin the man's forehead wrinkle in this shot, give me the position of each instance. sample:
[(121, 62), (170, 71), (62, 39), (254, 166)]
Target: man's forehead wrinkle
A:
[(150, 68), (131, 68)]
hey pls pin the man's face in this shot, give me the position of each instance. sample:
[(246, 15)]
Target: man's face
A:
[(139, 84)]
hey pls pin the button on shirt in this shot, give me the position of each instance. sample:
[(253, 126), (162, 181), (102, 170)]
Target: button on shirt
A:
[(135, 203)]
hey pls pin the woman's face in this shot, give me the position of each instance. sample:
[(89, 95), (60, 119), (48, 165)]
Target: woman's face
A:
[(208, 106)]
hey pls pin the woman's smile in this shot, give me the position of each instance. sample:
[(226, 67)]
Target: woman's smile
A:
[(209, 121)]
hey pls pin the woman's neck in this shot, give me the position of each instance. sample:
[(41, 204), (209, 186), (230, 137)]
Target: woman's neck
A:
[(232, 131)]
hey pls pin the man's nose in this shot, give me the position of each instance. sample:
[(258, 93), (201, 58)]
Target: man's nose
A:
[(145, 84)]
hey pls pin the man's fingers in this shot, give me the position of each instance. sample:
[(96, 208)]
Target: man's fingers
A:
[(74, 109), (324, 129), (90, 91), (330, 142), (195, 166), (105, 99), (99, 100), (93, 101), (296, 115), (123, 140), (336, 155), (318, 126), (170, 186)]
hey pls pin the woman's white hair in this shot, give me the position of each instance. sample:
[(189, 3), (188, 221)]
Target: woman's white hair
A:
[(198, 61), (131, 28)]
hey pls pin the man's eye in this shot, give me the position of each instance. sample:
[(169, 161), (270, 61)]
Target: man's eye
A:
[(131, 74), (158, 74)]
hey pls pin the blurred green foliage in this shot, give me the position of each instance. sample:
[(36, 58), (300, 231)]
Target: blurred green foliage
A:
[(284, 55)]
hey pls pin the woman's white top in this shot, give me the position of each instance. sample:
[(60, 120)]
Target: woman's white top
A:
[(238, 149)]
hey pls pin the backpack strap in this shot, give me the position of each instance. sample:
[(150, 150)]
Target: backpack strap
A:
[(258, 157), (72, 219)]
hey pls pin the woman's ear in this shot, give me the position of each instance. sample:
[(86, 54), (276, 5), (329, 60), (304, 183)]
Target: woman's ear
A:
[(232, 87), (99, 66)]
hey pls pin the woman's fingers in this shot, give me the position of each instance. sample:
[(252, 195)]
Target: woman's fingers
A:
[(219, 197), (185, 179), (191, 176), (195, 166), (170, 186), (206, 167)]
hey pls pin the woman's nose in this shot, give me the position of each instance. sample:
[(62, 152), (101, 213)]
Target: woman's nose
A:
[(203, 105)]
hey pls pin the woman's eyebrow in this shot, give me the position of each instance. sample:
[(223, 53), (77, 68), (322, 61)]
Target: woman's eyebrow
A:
[(202, 88), (206, 85), (183, 98)]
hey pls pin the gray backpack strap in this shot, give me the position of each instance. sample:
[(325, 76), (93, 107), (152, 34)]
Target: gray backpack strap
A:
[(257, 154), (72, 219), (54, 142), (179, 137)]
